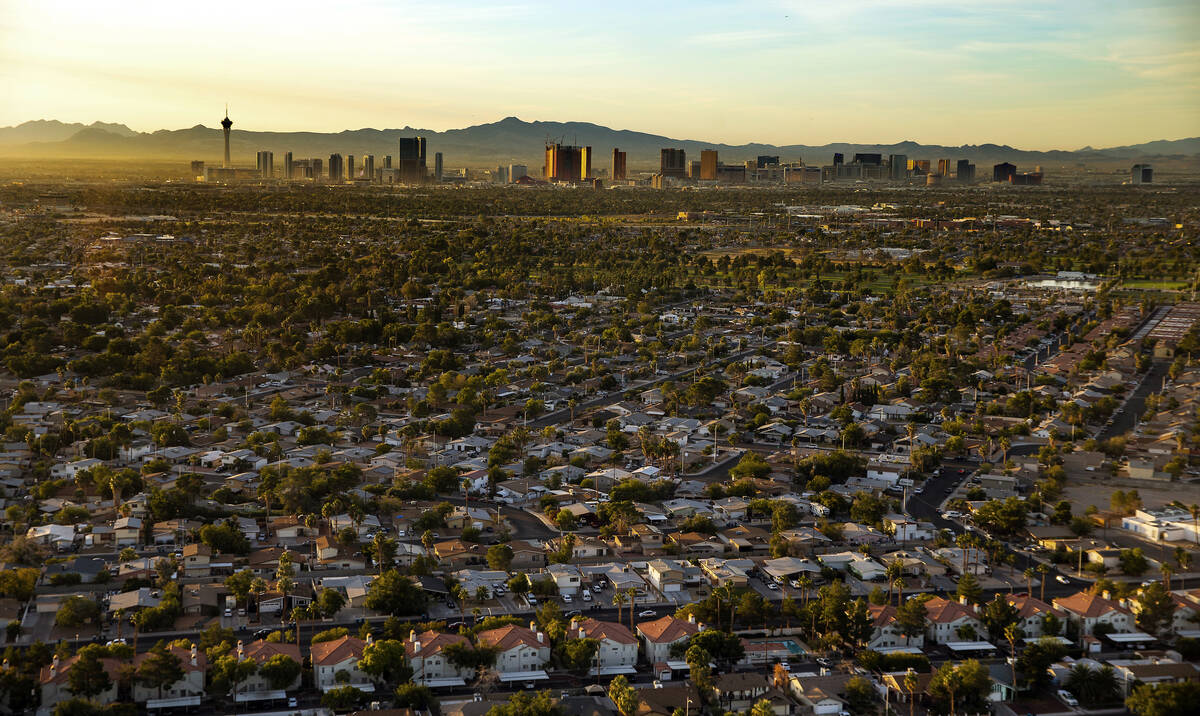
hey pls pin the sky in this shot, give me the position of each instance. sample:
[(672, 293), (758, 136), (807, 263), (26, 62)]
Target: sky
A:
[(1032, 74)]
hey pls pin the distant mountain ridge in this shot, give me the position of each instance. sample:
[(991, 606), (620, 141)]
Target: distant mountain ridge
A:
[(509, 140)]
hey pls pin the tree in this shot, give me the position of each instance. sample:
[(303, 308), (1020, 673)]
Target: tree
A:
[(1092, 687), (343, 698), (524, 703), (280, 671), (575, 655), (1036, 658), (762, 707), (1002, 517), (88, 677), (239, 584), (624, 696), (75, 611), (860, 695), (385, 660), (997, 616), (969, 589), (963, 685), (500, 557), (1133, 562), (417, 697), (911, 616), (228, 672), (1164, 699), (330, 602), (395, 594), (160, 668), (1156, 608)]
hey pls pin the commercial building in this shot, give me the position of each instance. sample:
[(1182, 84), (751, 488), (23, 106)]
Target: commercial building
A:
[(410, 160), (350, 167), (368, 171), (437, 166), (337, 169), (763, 161), (1003, 172), (708, 164), (565, 162), (943, 168), (1141, 174), (965, 171), (919, 167), (197, 170), (618, 165), (516, 171), (265, 163), (897, 167), (673, 163)]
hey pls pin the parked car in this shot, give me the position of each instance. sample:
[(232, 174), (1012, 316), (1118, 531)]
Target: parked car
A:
[(1067, 698), (587, 596), (567, 598), (772, 586), (647, 614), (1061, 579)]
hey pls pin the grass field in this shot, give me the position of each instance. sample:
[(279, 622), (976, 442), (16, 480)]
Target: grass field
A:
[(1149, 285)]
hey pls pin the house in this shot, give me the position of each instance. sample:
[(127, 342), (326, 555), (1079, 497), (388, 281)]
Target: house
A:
[(1085, 610), (1032, 613), (618, 646), (886, 633), (331, 657), (426, 655), (949, 621), (739, 691), (196, 560), (191, 686), (54, 681), (519, 650), (660, 635), (127, 531), (666, 575), (820, 695), (260, 652)]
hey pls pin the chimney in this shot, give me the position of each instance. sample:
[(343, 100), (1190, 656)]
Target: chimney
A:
[(700, 626), (370, 638), (1106, 594), (533, 626), (541, 638), (54, 666), (691, 618), (962, 600), (412, 635), (193, 654), (241, 650)]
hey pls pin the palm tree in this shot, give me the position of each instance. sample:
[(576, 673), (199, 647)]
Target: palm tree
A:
[(1167, 571), (899, 582), (632, 600), (1029, 580), (894, 570), (1043, 569), (1011, 633), (806, 584), (618, 600), (910, 685)]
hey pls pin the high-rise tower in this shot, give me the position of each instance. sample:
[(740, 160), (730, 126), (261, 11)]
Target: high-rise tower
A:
[(226, 125)]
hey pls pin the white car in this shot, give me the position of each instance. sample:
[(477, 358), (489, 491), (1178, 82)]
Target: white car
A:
[(647, 614), (567, 598), (587, 596), (772, 586), (1061, 579), (1067, 698)]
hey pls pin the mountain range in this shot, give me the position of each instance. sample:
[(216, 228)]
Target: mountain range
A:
[(510, 140)]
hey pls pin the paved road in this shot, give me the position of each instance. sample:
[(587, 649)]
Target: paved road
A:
[(1131, 410)]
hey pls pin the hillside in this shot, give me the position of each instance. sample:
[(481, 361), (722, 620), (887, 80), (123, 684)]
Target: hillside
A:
[(510, 140)]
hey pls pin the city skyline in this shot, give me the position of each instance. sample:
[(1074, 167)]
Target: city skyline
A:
[(779, 73)]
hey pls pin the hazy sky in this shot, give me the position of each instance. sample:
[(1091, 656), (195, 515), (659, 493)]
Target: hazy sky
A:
[(1035, 74)]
